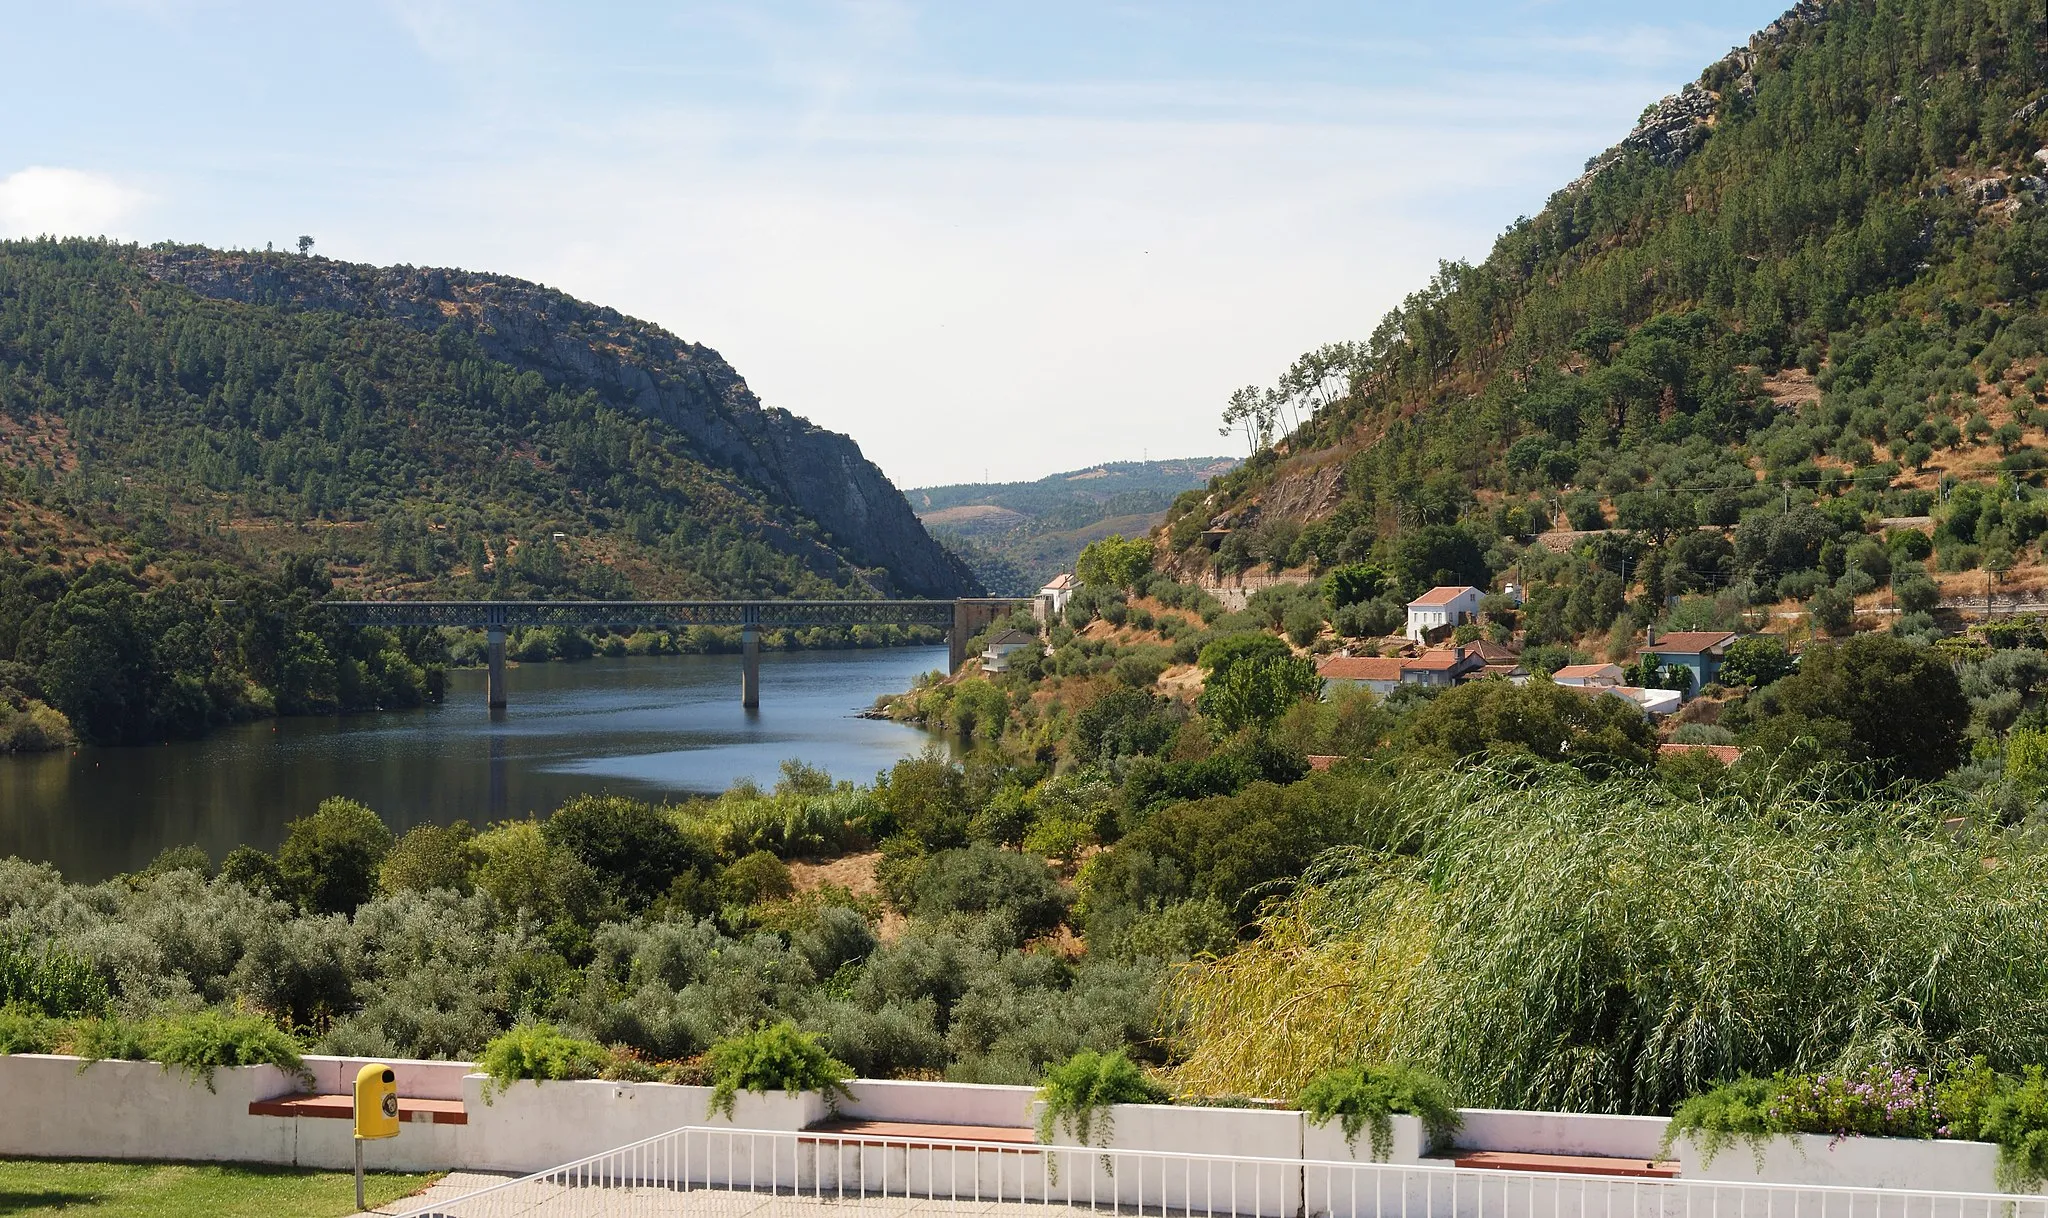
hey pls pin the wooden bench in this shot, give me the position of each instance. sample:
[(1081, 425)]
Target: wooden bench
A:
[(917, 1133), (1570, 1165), (343, 1107)]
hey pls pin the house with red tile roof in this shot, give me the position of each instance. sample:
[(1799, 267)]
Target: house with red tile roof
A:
[(1381, 674), (1441, 607), (1699, 652)]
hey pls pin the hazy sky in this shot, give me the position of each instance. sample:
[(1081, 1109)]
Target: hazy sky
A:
[(1012, 237)]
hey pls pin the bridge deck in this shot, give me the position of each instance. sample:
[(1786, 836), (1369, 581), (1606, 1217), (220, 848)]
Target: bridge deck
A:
[(619, 614)]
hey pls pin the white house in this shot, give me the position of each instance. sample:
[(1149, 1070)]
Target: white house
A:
[(997, 656), (1654, 703), (1440, 607), (1052, 599)]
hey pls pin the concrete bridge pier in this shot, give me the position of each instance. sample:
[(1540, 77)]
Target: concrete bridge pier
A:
[(494, 681), (750, 667)]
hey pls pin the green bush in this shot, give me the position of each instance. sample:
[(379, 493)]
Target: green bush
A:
[(1078, 1093), (774, 1057), (1362, 1095), (48, 979), (635, 850), (329, 860), (109, 1039), (26, 1030), (991, 880), (2013, 1112), (430, 857), (202, 1042), (539, 1051)]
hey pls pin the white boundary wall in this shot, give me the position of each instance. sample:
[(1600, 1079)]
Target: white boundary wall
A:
[(63, 1107), (1961, 1167)]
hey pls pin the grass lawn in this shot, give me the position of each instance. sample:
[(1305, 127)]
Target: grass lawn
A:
[(190, 1190)]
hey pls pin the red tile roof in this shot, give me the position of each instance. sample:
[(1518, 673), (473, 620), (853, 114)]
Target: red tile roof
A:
[(1361, 668), (1441, 596), (1587, 670), (1688, 642), (1436, 661)]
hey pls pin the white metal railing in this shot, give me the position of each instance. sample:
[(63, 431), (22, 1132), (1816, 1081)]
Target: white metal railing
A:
[(711, 1172)]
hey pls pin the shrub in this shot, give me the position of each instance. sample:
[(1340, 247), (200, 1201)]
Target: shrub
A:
[(1916, 593), (758, 877), (991, 880), (1362, 1095), (253, 870), (1832, 611), (1717, 1117), (2013, 1112), (26, 1030), (48, 979), (539, 1051), (635, 851), (202, 1042), (774, 1057), (33, 728), (109, 1039), (1756, 660), (328, 862), (1078, 1092), (430, 857)]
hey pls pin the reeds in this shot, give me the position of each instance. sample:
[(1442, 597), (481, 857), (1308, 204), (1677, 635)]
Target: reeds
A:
[(1540, 939)]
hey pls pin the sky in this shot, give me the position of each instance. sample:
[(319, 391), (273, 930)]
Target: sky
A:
[(985, 238)]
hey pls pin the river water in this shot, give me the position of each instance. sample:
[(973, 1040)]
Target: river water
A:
[(648, 727)]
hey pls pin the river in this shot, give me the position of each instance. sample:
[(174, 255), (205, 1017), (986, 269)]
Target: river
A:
[(648, 727)]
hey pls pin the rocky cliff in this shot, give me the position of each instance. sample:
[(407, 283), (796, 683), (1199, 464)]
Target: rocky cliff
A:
[(818, 473)]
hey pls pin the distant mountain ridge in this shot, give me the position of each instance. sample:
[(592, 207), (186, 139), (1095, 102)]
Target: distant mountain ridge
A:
[(1016, 535)]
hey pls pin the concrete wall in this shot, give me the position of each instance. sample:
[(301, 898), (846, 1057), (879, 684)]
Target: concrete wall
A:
[(417, 1080), (1959, 1167), (65, 1107), (62, 1107), (1561, 1133), (939, 1103), (1210, 1180)]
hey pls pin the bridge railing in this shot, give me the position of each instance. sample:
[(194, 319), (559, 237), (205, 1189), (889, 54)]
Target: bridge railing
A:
[(507, 615)]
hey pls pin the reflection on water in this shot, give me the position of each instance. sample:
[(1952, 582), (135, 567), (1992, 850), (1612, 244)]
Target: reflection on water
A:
[(647, 727)]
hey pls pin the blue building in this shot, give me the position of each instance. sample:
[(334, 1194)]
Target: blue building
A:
[(1698, 651)]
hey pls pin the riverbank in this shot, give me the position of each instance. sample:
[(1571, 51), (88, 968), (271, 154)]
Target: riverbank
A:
[(651, 727)]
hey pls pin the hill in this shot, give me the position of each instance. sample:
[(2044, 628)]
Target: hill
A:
[(425, 430), (1017, 535), (197, 447), (1801, 298)]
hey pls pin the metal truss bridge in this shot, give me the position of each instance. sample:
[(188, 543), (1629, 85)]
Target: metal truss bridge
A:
[(961, 619)]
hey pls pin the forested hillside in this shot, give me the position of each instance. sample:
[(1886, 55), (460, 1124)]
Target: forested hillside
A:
[(1801, 299), (182, 427), (1017, 535)]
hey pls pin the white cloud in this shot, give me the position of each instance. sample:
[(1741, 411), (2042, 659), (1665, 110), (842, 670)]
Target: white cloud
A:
[(43, 200)]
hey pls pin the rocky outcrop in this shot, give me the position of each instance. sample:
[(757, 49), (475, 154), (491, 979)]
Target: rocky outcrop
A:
[(816, 473), (1675, 128)]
